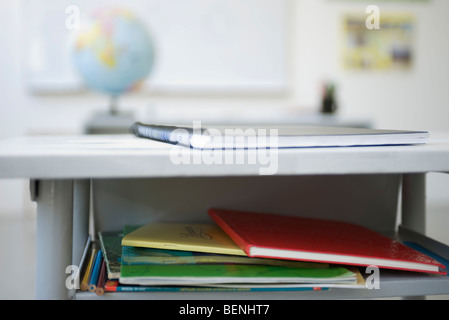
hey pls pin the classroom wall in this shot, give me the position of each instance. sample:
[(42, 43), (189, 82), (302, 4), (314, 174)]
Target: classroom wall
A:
[(414, 99)]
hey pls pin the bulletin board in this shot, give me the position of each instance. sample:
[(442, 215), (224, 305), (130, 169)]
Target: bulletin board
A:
[(202, 45), (388, 48)]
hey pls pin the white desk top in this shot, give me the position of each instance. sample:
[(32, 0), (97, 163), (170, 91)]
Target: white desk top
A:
[(117, 156)]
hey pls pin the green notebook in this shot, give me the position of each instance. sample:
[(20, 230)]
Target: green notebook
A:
[(210, 274), (111, 246)]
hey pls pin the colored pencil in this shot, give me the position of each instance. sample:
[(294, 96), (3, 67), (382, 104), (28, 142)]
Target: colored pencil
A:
[(95, 272), (101, 279), (88, 272)]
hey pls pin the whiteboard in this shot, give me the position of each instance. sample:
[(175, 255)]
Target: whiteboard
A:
[(201, 45)]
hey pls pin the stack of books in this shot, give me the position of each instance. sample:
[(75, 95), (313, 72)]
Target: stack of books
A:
[(245, 251)]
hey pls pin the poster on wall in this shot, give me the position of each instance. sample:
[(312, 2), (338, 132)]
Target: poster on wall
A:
[(387, 47)]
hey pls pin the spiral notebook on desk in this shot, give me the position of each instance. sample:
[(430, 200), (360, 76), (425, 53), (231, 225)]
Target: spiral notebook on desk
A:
[(276, 136)]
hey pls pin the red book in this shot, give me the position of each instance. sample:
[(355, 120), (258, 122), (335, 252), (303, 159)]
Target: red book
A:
[(295, 238)]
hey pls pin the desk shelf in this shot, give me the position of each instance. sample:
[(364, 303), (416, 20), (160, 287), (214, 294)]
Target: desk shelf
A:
[(392, 286), (125, 180), (393, 283)]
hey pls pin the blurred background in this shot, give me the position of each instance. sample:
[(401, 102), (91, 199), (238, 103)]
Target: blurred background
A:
[(286, 61)]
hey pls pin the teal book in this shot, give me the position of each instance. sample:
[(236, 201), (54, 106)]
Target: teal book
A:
[(115, 286), (150, 256), (131, 255)]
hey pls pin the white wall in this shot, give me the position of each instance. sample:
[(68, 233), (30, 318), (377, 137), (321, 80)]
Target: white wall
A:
[(412, 99), (415, 99)]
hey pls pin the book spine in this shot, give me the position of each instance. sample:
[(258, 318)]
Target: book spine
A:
[(115, 287), (110, 286), (242, 243), (168, 134)]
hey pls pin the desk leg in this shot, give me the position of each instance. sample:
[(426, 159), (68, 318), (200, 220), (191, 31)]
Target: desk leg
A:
[(54, 200), (414, 206), (414, 202), (81, 208)]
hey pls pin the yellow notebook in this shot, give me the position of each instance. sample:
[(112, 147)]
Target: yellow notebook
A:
[(207, 238)]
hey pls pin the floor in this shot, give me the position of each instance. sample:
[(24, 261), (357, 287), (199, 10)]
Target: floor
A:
[(17, 258), (18, 265)]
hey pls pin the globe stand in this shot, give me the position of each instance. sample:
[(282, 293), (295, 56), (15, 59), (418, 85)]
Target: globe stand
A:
[(113, 108), (111, 121)]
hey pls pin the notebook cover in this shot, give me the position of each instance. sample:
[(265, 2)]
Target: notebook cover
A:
[(272, 231), (282, 136), (183, 236)]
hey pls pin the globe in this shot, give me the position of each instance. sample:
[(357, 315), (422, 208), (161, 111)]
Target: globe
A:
[(113, 52)]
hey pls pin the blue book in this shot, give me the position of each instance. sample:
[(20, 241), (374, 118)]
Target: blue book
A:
[(429, 253), (96, 271), (116, 286)]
